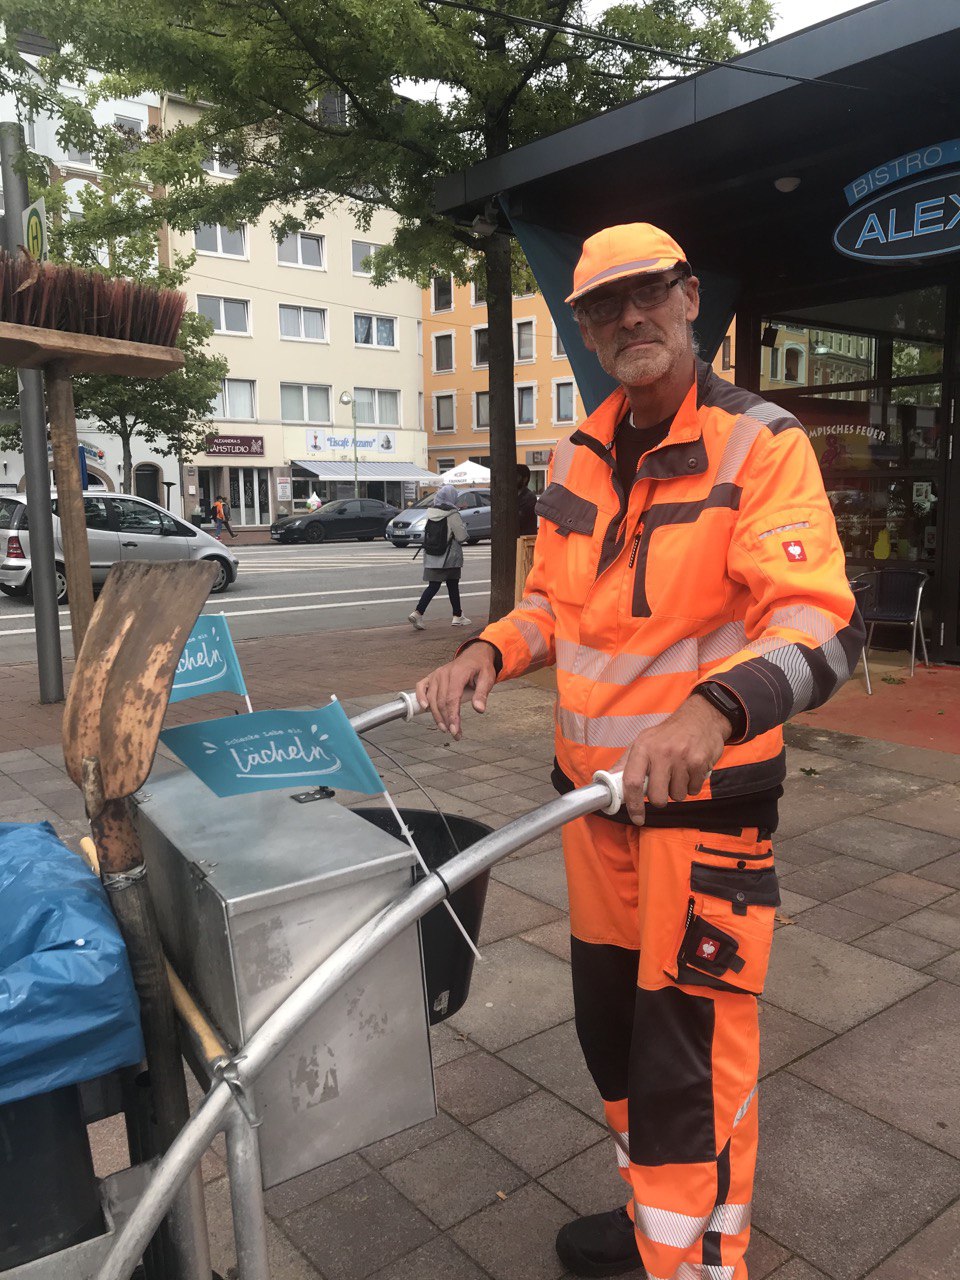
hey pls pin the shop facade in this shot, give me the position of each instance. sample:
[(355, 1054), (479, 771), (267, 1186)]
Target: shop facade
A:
[(819, 203)]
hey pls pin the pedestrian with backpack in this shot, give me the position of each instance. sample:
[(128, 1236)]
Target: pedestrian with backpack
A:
[(443, 539), (221, 517)]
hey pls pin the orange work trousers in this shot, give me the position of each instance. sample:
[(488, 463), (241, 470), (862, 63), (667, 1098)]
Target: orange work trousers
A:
[(671, 940)]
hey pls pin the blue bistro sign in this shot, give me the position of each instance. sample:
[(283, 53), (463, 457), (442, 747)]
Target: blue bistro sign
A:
[(918, 220)]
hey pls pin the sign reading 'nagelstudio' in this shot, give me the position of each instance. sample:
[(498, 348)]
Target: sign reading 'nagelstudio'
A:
[(919, 219)]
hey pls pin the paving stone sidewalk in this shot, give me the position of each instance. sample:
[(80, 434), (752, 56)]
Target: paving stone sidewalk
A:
[(859, 1173)]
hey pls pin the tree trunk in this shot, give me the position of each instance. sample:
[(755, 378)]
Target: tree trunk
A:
[(127, 458), (503, 430)]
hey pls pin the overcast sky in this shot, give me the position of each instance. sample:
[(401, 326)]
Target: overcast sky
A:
[(796, 14)]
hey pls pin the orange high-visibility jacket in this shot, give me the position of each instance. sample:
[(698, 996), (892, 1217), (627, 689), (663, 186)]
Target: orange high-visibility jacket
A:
[(724, 564)]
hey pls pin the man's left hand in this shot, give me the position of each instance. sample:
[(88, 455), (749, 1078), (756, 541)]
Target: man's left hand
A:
[(672, 760)]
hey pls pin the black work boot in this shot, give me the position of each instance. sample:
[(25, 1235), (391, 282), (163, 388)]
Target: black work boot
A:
[(602, 1244)]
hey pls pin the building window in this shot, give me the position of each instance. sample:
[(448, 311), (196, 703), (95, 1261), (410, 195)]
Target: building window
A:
[(361, 250), (774, 364), (301, 249), (376, 407), (302, 403), (563, 402), (374, 331), (725, 360), (308, 324), (793, 365), (526, 405), (524, 341), (235, 400), (481, 410), (559, 350), (130, 125), (214, 237), (442, 293), (443, 353), (79, 157), (446, 464), (227, 315), (481, 348), (221, 168), (443, 417), (478, 293)]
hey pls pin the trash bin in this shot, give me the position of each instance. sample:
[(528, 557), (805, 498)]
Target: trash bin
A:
[(68, 1012), (447, 960), (48, 1189)]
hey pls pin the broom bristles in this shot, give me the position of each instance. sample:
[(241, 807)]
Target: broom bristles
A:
[(59, 296)]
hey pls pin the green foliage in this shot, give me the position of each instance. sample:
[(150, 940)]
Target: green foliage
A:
[(271, 66)]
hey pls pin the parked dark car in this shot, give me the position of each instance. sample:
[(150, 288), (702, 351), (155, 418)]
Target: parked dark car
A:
[(345, 518), (474, 507)]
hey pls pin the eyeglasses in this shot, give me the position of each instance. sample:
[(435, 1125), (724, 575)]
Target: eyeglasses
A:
[(643, 296)]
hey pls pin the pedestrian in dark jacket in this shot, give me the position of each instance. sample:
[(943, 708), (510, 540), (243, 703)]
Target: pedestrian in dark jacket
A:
[(442, 566)]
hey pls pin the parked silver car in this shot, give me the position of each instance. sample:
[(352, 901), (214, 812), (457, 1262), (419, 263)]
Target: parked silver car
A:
[(119, 527), (473, 505)]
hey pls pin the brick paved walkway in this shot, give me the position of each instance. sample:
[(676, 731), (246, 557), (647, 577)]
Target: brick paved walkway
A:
[(860, 1166)]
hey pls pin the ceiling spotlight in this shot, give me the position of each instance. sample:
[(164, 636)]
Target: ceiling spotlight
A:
[(786, 185)]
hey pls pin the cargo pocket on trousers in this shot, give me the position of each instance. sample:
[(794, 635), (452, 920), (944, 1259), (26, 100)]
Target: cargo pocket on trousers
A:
[(728, 928)]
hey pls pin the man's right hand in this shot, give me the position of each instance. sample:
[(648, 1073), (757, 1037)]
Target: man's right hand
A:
[(442, 690)]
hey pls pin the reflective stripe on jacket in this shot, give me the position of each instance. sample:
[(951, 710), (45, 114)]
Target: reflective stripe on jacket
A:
[(724, 562)]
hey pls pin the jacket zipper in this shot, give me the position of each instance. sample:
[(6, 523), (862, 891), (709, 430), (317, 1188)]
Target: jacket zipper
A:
[(635, 547)]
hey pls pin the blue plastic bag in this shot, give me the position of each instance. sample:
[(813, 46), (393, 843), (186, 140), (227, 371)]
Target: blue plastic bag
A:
[(68, 1008)]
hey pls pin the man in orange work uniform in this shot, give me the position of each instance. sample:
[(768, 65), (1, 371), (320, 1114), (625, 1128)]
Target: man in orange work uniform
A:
[(689, 585)]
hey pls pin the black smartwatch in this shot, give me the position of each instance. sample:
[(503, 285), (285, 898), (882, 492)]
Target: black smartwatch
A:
[(727, 704)]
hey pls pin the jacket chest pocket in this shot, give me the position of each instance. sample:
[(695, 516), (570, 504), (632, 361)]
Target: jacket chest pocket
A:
[(681, 564), (569, 521)]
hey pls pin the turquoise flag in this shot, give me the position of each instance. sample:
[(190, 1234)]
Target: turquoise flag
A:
[(276, 750), (209, 662)]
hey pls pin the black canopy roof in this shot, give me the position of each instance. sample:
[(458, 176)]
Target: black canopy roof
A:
[(700, 157)]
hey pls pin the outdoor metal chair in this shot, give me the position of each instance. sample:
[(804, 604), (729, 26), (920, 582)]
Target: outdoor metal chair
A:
[(861, 590), (894, 597)]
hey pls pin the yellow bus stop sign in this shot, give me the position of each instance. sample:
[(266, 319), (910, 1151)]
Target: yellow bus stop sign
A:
[(35, 231)]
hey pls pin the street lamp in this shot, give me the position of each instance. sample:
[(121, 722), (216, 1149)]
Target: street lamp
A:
[(347, 398)]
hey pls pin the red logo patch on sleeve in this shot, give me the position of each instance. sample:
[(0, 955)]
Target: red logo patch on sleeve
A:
[(707, 949), (794, 551)]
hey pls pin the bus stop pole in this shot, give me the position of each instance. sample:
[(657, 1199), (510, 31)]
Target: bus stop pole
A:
[(33, 425)]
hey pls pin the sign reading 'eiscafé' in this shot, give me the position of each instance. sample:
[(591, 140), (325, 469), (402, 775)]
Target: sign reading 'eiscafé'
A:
[(236, 446), (920, 220)]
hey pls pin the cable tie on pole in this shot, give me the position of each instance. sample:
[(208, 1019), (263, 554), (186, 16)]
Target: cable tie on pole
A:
[(117, 881), (228, 1070)]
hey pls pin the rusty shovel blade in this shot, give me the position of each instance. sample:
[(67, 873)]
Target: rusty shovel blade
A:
[(124, 671)]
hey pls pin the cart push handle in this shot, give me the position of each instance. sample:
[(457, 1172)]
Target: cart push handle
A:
[(406, 705)]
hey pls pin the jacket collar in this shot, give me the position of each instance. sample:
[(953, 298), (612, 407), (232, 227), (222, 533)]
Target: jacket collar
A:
[(681, 453)]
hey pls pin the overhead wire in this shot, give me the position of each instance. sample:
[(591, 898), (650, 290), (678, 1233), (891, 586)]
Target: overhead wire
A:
[(694, 61)]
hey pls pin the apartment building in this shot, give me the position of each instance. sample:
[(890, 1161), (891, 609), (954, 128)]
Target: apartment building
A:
[(324, 385), (455, 379)]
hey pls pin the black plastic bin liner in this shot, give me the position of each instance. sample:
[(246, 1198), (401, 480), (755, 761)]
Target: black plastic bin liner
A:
[(447, 960), (48, 1193)]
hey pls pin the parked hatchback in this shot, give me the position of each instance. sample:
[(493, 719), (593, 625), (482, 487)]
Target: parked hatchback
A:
[(473, 505), (118, 528), (360, 518)]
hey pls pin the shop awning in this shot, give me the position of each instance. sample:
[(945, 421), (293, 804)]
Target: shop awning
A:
[(365, 470)]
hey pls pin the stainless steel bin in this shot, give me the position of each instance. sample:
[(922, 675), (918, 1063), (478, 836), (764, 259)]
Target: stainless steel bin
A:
[(252, 893)]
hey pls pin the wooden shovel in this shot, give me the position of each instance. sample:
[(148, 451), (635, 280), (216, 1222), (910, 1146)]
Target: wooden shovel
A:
[(111, 727)]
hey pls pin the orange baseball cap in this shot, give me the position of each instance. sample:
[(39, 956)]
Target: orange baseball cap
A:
[(631, 249)]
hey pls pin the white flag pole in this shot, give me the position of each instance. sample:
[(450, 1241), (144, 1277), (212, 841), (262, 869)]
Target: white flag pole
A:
[(419, 857), (246, 696)]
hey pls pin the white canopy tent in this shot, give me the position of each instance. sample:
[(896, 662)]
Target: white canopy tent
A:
[(466, 473)]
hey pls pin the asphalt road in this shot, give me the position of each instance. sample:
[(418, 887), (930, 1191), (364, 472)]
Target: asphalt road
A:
[(289, 590)]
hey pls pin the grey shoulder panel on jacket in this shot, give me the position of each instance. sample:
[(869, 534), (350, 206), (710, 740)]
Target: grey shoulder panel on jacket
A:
[(717, 393)]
